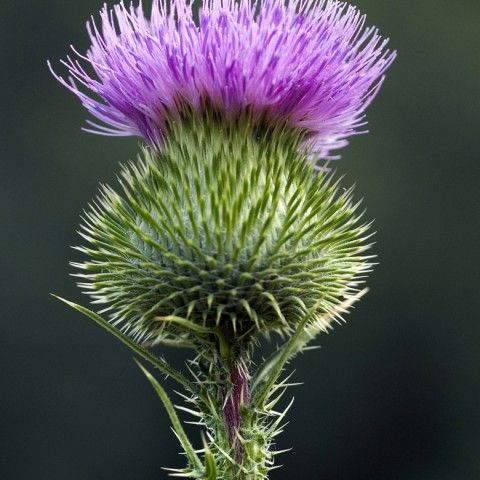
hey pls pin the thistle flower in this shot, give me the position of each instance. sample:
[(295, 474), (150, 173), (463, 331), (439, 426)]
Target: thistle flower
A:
[(222, 232), (311, 64)]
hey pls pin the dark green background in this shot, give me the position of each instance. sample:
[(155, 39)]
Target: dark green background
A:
[(393, 395)]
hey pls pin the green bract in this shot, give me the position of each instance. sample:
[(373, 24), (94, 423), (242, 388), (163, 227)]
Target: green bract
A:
[(227, 230)]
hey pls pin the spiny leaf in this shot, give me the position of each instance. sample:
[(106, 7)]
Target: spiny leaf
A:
[(285, 352), (193, 459), (211, 471), (159, 363)]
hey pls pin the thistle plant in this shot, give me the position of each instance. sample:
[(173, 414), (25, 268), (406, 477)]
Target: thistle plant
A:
[(227, 232)]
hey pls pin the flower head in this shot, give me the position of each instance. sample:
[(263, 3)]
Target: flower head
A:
[(309, 63)]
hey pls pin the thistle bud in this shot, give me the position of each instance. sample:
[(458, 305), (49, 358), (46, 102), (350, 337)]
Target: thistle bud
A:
[(227, 228)]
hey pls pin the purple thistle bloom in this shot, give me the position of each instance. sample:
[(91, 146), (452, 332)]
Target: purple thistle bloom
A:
[(310, 63)]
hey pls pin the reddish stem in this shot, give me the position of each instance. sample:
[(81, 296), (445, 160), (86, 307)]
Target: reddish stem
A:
[(238, 395)]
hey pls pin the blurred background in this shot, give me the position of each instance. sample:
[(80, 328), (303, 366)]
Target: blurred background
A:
[(392, 395)]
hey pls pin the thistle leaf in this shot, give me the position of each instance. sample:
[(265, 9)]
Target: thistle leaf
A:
[(157, 362), (211, 472), (193, 458), (309, 333), (285, 352)]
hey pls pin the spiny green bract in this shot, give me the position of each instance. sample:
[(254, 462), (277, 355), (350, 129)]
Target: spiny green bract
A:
[(228, 228)]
